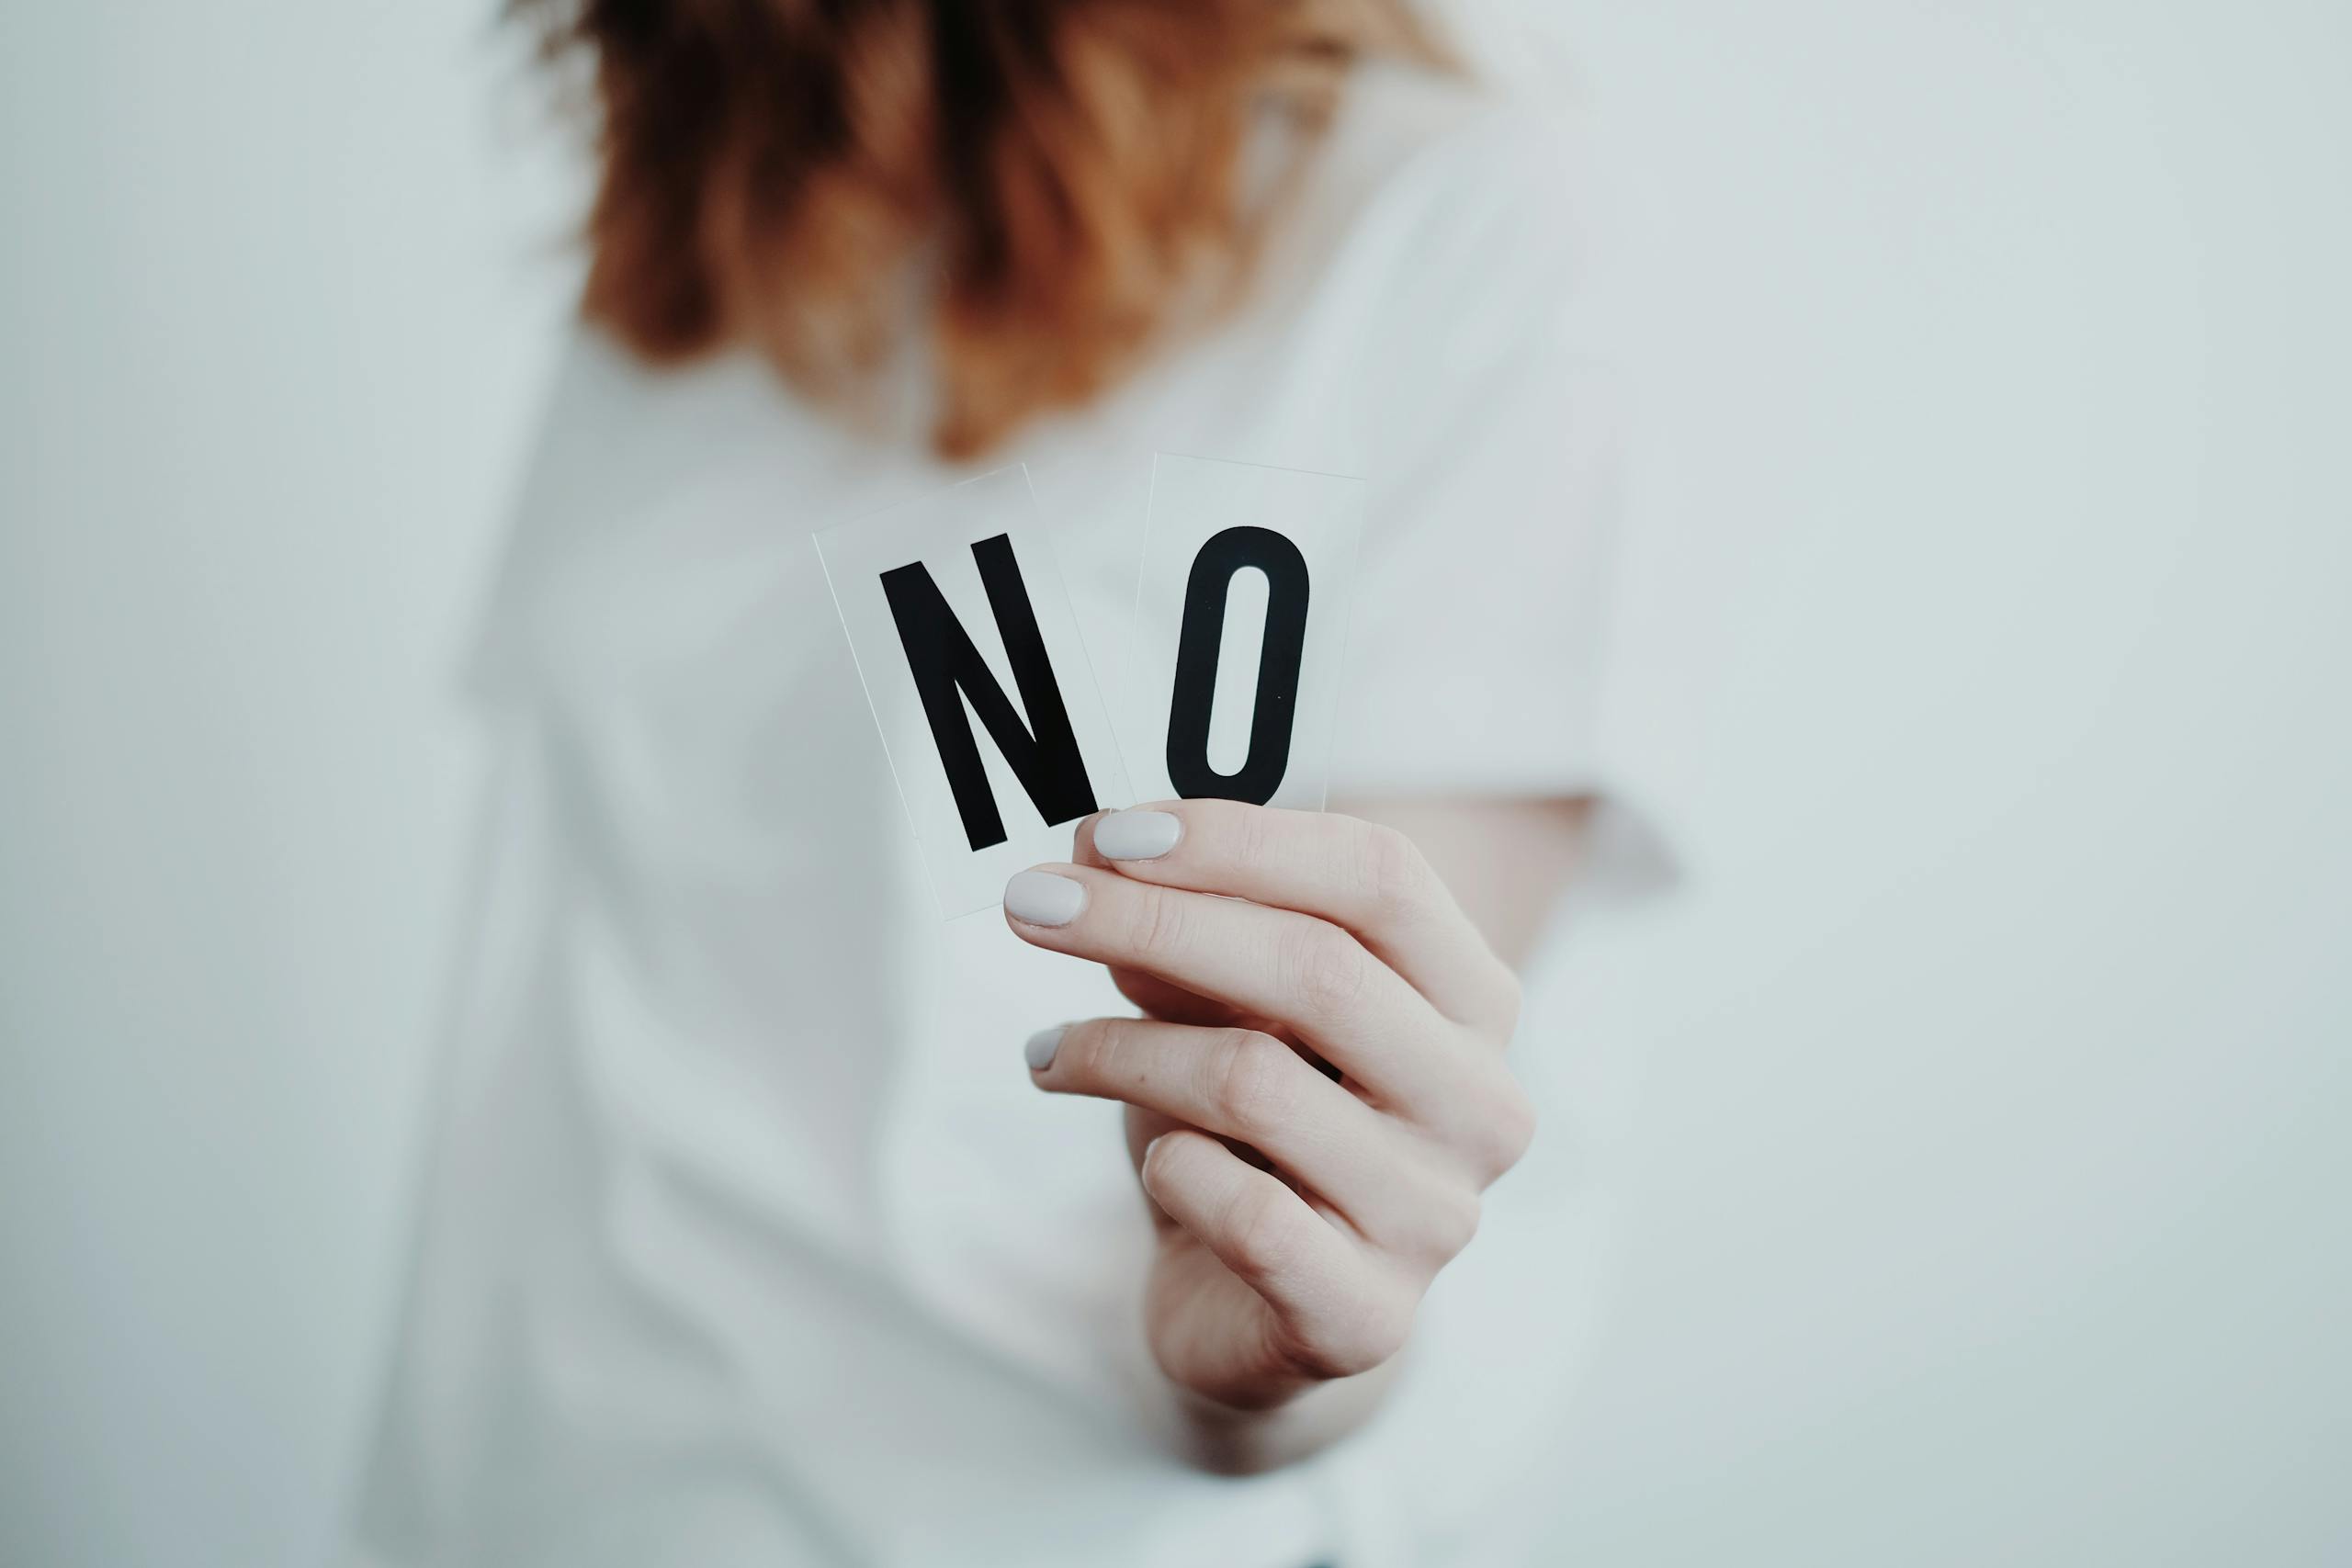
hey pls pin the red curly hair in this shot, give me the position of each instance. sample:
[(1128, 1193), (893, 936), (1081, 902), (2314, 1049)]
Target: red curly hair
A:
[(1047, 187)]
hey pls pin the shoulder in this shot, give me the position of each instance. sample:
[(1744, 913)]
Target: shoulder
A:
[(1448, 166), (1436, 255), (1445, 222)]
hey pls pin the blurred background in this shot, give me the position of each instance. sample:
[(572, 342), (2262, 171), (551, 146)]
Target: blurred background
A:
[(1980, 1101)]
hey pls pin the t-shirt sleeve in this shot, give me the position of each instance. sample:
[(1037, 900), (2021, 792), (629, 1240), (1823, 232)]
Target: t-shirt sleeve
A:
[(1477, 622)]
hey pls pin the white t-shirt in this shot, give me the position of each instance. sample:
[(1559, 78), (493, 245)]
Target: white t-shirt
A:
[(746, 1238)]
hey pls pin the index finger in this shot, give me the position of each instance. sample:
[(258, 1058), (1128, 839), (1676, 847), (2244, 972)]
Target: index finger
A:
[(1364, 877)]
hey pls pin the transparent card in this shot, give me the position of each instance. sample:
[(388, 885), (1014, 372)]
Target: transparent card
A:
[(1237, 654), (979, 680)]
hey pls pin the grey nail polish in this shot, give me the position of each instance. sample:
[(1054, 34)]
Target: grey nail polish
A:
[(1137, 835), (1041, 1047), (1041, 898)]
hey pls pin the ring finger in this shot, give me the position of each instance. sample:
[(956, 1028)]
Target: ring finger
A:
[(1242, 1085)]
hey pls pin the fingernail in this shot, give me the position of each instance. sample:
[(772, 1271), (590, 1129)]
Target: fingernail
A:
[(1041, 1047), (1041, 898), (1137, 835)]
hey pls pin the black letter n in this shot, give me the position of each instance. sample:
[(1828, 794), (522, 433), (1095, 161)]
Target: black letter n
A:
[(942, 657)]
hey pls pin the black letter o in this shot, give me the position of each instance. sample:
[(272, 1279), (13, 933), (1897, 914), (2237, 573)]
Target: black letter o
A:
[(1197, 648)]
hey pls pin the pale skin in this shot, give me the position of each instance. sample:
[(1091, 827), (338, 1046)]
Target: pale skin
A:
[(1317, 1094)]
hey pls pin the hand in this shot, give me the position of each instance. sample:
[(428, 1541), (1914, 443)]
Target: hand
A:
[(1317, 1096)]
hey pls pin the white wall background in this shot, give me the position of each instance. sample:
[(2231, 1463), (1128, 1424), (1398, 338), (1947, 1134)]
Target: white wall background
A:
[(1985, 637), (272, 308)]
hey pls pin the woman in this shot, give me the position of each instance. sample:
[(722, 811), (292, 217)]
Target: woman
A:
[(747, 1240)]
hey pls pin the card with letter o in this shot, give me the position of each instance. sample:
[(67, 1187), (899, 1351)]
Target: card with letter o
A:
[(1240, 631)]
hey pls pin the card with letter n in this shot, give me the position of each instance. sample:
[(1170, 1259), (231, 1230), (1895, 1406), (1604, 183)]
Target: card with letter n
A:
[(982, 685), (979, 680)]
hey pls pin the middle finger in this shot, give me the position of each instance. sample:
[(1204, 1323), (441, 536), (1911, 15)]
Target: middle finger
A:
[(1295, 969)]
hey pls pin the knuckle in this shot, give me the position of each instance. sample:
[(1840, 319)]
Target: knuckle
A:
[(1506, 1130), (1095, 1049), (1449, 1215), (1252, 830), (1367, 1333), (1510, 997), (1395, 877), (1327, 970), (1260, 1242), (1249, 1085), (1156, 926)]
